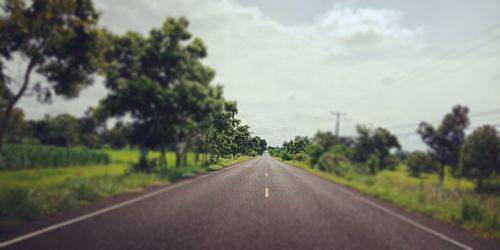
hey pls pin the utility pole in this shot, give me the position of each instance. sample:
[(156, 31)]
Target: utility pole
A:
[(337, 122)]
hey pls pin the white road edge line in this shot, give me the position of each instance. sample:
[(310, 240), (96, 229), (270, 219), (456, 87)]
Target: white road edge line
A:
[(108, 209), (401, 217), (267, 192)]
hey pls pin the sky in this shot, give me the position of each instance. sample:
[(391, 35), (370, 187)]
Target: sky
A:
[(289, 64)]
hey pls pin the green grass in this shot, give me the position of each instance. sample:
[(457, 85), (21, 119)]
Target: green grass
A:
[(132, 156), (47, 177), (31, 193), (454, 202)]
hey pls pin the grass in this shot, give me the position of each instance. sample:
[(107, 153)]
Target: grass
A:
[(454, 202), (31, 193)]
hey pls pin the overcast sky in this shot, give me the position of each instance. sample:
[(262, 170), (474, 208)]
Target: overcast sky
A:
[(289, 63)]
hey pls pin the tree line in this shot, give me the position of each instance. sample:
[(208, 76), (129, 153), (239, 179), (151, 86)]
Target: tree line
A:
[(156, 82), (475, 156)]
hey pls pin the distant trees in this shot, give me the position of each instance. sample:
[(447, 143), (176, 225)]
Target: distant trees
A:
[(420, 162), (480, 156), (446, 141), (55, 39), (372, 146)]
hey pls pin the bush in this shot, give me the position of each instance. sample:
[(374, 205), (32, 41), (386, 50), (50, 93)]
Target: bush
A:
[(420, 162), (300, 157), (472, 210), (336, 164), (19, 156), (390, 163), (314, 151), (19, 203), (286, 157)]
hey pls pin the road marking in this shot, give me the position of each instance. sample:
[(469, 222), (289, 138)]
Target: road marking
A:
[(401, 217), (109, 209), (267, 192), (266, 174)]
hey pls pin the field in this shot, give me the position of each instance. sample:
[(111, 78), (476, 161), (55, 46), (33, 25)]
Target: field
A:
[(22, 156), (27, 194), (455, 202)]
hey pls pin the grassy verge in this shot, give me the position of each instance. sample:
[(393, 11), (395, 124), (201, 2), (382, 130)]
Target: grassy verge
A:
[(455, 202), (33, 193)]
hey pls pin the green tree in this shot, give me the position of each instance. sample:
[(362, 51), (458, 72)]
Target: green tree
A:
[(445, 141), (18, 128), (119, 136), (480, 154), (57, 39), (420, 162), (161, 83), (372, 143)]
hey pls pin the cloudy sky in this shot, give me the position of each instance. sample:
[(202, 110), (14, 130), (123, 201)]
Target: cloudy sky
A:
[(290, 63)]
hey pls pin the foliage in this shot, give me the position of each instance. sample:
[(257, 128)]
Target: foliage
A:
[(56, 39), (374, 143), (333, 163), (420, 162), (480, 154), (33, 156), (314, 151), (445, 141)]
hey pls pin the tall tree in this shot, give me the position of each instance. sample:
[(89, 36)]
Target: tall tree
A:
[(56, 39), (160, 82), (445, 141), (480, 154)]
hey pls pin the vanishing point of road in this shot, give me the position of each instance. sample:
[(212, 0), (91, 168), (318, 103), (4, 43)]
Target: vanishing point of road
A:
[(258, 204)]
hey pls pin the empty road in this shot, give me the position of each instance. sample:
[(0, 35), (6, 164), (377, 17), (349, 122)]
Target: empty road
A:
[(259, 204)]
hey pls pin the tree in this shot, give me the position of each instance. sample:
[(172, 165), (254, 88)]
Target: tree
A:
[(419, 162), (325, 139), (374, 145), (119, 136), (18, 128), (445, 142), (56, 39), (91, 129), (161, 83), (480, 154)]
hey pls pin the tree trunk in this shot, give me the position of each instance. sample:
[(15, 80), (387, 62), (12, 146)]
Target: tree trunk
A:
[(179, 154), (13, 102), (441, 174), (197, 157), (163, 158), (479, 186)]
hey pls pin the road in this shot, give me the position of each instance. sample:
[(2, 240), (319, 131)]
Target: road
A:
[(259, 204)]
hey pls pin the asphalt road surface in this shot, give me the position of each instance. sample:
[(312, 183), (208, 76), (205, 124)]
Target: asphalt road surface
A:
[(259, 204)]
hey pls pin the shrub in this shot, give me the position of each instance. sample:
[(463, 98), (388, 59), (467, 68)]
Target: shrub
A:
[(314, 151), (286, 157), (420, 162), (335, 164), (472, 210), (300, 157), (390, 163), (19, 203)]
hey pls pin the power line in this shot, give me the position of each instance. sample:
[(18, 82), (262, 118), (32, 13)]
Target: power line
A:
[(488, 113), (448, 54)]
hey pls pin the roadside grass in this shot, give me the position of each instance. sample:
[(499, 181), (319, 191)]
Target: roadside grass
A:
[(32, 193), (455, 202)]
